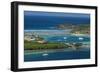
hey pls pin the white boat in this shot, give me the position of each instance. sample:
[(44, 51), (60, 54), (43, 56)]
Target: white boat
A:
[(44, 54), (80, 38), (65, 37)]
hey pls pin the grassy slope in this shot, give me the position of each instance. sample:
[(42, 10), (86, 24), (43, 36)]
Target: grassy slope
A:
[(34, 46)]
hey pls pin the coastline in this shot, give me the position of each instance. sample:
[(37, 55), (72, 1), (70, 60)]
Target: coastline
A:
[(80, 35)]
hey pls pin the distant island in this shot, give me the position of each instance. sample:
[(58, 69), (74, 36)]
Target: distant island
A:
[(76, 28)]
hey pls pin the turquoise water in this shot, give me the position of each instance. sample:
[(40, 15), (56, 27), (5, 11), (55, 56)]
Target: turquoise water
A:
[(66, 38), (69, 54)]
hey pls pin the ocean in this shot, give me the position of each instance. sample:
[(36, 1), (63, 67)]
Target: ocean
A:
[(63, 55), (49, 20)]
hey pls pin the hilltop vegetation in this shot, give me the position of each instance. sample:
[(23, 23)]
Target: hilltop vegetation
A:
[(77, 29), (81, 29), (29, 45)]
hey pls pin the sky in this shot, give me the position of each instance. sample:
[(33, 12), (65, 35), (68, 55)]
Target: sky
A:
[(36, 20)]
